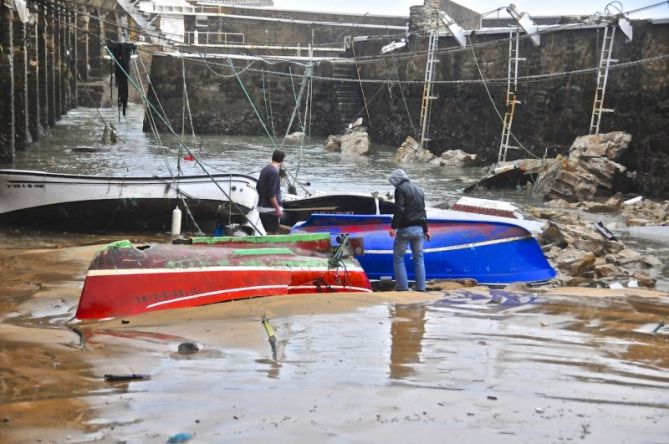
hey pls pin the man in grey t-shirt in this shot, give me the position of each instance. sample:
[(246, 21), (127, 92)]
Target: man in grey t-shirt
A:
[(269, 191)]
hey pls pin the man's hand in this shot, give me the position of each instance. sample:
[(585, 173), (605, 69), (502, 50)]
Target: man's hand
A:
[(279, 212), (392, 233), (427, 236)]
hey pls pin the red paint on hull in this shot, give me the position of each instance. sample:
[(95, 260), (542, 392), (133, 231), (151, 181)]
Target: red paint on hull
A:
[(114, 295)]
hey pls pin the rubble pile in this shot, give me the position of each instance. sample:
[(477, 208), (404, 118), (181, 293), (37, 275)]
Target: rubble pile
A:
[(584, 255), (590, 170), (635, 212)]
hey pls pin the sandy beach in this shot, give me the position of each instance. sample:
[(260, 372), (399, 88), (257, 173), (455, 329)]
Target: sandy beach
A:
[(461, 364)]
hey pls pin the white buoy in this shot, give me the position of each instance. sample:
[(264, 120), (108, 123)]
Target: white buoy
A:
[(176, 222)]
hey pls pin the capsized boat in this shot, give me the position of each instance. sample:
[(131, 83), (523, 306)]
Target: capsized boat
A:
[(125, 280), (489, 249), (80, 203)]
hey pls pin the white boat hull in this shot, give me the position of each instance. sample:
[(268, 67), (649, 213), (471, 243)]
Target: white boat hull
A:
[(93, 203)]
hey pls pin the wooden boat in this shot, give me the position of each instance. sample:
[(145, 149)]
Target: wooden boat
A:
[(125, 280), (77, 203), (489, 249)]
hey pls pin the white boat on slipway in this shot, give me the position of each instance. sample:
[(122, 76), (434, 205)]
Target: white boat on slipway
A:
[(78, 203)]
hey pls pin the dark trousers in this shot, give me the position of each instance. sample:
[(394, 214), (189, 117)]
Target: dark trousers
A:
[(270, 222)]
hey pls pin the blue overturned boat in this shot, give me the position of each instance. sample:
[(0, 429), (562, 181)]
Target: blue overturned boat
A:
[(491, 250)]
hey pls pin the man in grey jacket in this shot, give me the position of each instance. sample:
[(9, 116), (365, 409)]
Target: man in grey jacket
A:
[(409, 226)]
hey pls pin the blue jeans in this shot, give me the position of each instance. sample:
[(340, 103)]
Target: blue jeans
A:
[(404, 236)]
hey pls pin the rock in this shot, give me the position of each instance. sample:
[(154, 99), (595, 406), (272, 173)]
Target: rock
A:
[(644, 279), (455, 158), (295, 137), (636, 222), (355, 142), (652, 261), (576, 262), (411, 151), (333, 144), (188, 348), (517, 286), (589, 171), (610, 145), (599, 207), (606, 270)]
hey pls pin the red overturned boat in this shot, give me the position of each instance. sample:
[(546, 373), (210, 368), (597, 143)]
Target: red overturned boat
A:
[(125, 280)]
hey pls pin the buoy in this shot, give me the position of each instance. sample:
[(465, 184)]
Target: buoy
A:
[(176, 222)]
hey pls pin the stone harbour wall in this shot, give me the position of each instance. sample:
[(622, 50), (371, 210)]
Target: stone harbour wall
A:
[(556, 88), (556, 104)]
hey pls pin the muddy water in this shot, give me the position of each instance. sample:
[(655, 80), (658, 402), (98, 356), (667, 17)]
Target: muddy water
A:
[(476, 364)]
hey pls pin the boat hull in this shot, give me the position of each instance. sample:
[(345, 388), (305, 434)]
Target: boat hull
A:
[(62, 202), (491, 252), (299, 209), (124, 280)]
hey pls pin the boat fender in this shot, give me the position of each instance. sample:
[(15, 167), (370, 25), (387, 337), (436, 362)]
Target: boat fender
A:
[(176, 222)]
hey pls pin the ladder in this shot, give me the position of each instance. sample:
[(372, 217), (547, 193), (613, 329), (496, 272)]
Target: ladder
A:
[(511, 101), (426, 102), (605, 61)]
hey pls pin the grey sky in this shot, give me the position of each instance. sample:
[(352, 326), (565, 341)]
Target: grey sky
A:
[(537, 8)]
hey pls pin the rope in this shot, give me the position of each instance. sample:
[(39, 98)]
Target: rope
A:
[(292, 84), (154, 129), (267, 100), (364, 99), (404, 100), (255, 110), (298, 100)]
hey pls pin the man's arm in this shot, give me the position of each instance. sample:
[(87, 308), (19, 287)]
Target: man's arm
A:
[(277, 208)]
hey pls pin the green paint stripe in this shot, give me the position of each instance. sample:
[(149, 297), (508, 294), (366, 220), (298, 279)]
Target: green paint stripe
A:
[(117, 244), (261, 251), (271, 239)]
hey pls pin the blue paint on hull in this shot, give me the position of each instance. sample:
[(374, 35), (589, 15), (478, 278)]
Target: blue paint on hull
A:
[(492, 252)]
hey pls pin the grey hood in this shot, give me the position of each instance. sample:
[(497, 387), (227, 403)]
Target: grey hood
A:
[(397, 176)]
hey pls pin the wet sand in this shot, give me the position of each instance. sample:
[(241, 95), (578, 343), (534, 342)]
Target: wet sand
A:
[(463, 364)]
